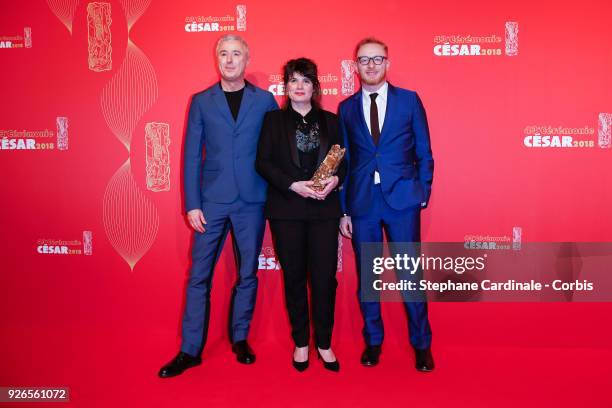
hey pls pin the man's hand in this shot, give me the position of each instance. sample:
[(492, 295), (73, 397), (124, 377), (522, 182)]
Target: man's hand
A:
[(346, 226), (329, 183), (196, 220), (303, 189)]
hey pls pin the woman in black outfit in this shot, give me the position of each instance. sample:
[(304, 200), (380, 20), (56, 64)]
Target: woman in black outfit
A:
[(304, 222)]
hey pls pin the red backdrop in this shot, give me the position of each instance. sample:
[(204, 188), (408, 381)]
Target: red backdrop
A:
[(114, 69)]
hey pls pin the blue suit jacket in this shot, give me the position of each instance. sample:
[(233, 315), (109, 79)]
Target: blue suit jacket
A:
[(402, 157), (228, 170)]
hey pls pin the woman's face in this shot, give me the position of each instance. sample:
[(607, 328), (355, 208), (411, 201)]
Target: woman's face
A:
[(299, 88)]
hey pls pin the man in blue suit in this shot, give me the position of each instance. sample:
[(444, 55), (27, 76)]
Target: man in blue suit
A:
[(389, 182), (223, 192)]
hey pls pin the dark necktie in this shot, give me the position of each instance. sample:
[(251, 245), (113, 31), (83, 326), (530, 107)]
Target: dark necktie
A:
[(374, 128)]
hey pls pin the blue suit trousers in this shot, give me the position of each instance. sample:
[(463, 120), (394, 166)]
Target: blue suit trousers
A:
[(247, 223), (400, 226)]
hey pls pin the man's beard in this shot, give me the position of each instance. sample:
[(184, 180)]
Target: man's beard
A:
[(373, 81)]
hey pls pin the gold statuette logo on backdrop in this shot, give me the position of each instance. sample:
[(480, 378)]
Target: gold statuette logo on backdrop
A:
[(99, 37), (157, 139)]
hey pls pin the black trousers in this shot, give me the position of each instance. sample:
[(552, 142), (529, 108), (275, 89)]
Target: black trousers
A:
[(308, 248)]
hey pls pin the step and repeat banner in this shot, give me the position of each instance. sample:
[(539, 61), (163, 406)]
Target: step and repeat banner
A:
[(94, 104)]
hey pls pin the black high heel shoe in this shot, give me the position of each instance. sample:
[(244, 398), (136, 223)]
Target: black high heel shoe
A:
[(300, 365), (331, 366)]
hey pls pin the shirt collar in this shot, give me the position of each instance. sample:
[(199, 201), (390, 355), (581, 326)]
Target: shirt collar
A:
[(247, 84), (310, 117), (382, 92)]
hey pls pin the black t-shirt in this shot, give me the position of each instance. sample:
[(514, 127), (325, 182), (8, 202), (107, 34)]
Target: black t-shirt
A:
[(233, 100)]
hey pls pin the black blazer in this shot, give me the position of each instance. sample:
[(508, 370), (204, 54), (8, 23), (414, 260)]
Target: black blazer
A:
[(278, 163)]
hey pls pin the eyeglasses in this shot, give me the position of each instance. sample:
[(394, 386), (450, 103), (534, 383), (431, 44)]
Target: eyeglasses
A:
[(366, 60)]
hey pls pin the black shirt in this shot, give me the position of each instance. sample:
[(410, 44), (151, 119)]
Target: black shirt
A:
[(233, 100), (307, 137)]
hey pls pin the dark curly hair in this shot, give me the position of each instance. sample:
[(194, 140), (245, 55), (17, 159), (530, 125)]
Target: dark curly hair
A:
[(307, 68)]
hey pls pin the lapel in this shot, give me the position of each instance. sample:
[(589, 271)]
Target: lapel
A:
[(323, 137), (221, 102), (358, 111), (248, 99), (390, 111), (290, 134)]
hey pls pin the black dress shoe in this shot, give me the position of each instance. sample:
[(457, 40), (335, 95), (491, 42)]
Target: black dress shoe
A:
[(331, 366), (424, 360), (244, 353), (180, 363), (370, 356)]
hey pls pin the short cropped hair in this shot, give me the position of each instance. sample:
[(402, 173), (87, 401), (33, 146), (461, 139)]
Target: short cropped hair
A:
[(232, 37), (371, 40)]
